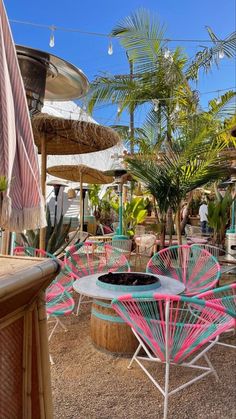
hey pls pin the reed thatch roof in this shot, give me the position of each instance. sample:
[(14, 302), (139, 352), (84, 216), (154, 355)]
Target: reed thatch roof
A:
[(75, 173), (67, 136)]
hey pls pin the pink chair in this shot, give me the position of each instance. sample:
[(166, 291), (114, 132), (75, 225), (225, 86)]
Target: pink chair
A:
[(192, 265), (169, 332), (225, 297), (59, 303), (65, 277), (58, 300), (93, 257)]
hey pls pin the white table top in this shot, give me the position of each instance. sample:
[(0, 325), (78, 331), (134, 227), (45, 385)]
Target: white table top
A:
[(87, 286)]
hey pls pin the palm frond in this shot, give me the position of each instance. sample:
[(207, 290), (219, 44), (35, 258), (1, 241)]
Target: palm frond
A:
[(142, 36), (224, 106), (207, 57)]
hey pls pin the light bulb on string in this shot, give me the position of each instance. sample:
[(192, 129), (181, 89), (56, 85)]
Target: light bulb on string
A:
[(129, 130), (177, 107), (110, 48), (155, 105), (221, 54), (218, 100), (167, 53), (52, 38), (118, 109)]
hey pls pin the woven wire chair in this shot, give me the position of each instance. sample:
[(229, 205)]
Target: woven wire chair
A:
[(169, 332), (124, 246), (225, 297), (226, 260), (65, 277), (94, 257), (59, 303), (194, 266), (57, 297), (145, 246)]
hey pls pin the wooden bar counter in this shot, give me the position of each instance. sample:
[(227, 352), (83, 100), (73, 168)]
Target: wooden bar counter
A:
[(25, 387)]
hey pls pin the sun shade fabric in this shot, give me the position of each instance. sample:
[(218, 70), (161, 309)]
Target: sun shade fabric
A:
[(75, 173), (21, 205), (68, 136)]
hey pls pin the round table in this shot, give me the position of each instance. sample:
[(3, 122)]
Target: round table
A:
[(108, 331)]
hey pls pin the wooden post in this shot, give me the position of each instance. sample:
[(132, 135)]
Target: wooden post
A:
[(81, 211), (42, 237), (5, 242), (43, 337), (39, 364)]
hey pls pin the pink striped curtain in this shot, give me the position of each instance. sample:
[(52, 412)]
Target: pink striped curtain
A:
[(22, 206)]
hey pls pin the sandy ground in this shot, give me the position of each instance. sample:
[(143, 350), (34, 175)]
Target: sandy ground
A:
[(91, 384)]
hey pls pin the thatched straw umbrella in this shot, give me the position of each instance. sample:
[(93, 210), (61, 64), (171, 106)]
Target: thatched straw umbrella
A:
[(59, 136), (80, 173)]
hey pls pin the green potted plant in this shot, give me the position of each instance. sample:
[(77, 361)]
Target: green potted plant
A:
[(219, 215)]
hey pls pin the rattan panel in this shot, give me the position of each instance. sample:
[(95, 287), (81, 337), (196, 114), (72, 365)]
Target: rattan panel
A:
[(11, 360)]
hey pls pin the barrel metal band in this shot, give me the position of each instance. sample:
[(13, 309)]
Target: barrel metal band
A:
[(102, 303), (114, 319)]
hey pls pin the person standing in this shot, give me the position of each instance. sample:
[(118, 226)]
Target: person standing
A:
[(203, 214)]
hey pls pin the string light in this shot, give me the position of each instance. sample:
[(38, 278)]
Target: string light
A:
[(218, 100), (156, 104), (52, 38), (110, 48), (177, 107), (60, 28), (167, 53), (221, 54)]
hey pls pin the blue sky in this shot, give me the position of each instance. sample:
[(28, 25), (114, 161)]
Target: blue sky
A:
[(184, 19)]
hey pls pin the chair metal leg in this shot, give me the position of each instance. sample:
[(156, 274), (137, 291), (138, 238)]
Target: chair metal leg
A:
[(51, 360), (211, 367), (62, 325), (79, 302), (166, 396), (134, 356)]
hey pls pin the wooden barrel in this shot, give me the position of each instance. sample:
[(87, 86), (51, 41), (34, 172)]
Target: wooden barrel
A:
[(109, 332)]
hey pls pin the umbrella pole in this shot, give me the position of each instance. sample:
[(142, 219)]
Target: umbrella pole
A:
[(81, 213), (42, 234)]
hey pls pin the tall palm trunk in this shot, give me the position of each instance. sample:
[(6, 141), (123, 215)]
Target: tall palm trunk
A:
[(163, 230), (178, 228), (169, 224)]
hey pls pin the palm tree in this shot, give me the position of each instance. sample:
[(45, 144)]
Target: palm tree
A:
[(178, 173), (160, 78)]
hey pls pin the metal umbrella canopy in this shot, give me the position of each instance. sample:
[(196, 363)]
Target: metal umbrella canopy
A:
[(82, 174), (21, 204)]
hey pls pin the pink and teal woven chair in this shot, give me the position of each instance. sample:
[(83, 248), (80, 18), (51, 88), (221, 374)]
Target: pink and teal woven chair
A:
[(170, 332), (59, 303), (58, 300), (225, 297), (65, 277), (89, 258), (194, 266)]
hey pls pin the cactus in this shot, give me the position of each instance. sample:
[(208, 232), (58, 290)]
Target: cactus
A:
[(55, 236)]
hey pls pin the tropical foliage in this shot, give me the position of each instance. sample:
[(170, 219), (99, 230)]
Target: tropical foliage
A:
[(134, 213), (56, 236), (177, 173), (219, 215), (180, 146)]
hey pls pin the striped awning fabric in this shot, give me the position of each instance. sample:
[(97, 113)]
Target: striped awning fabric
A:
[(21, 205)]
